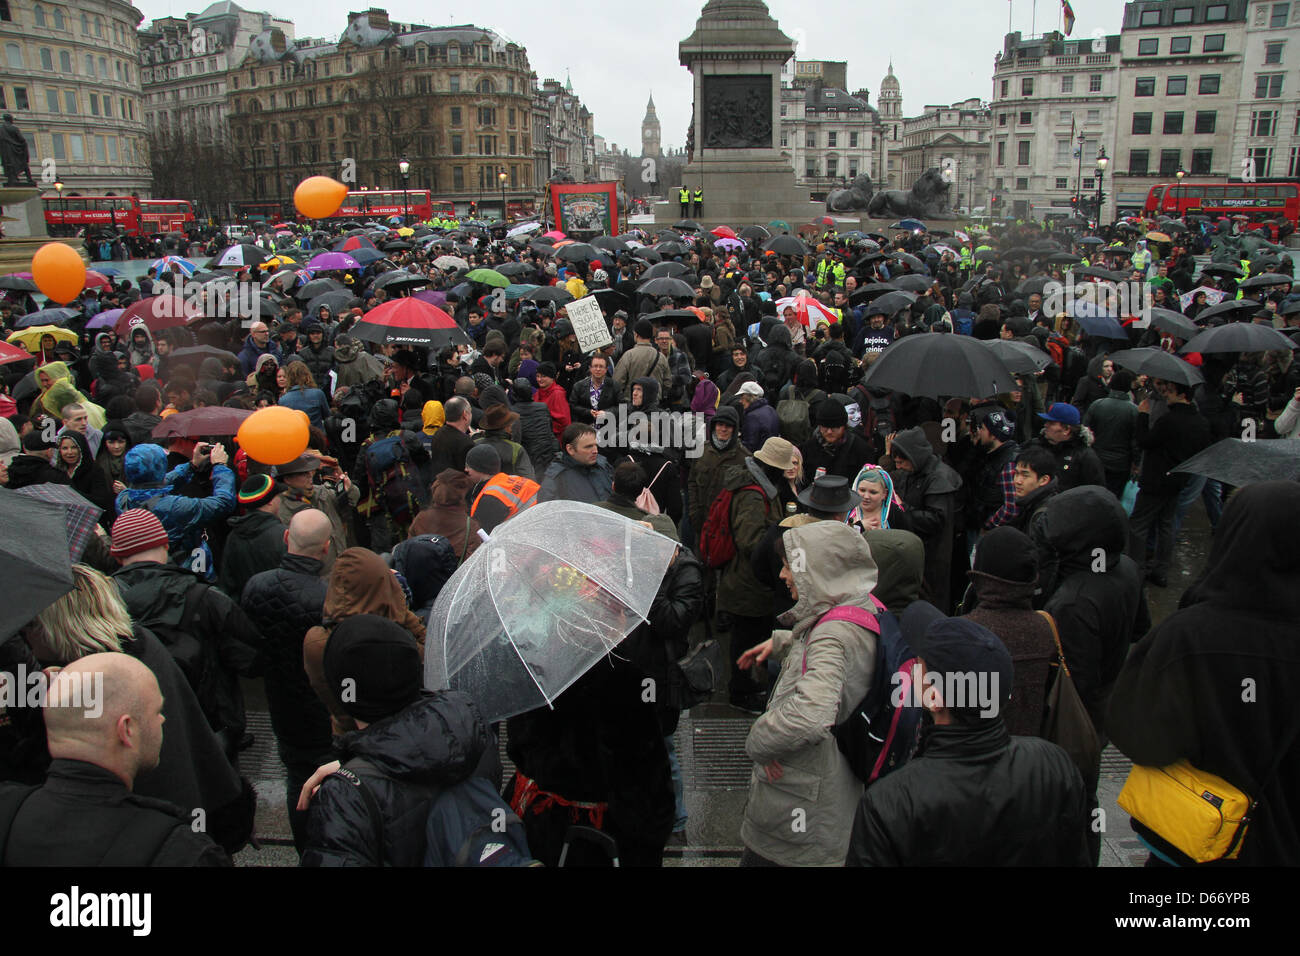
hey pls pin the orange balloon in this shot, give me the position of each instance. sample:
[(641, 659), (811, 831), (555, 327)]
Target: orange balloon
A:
[(58, 272), (274, 435), (319, 196)]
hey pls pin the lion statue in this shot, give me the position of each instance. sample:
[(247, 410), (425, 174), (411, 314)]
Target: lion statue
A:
[(928, 199), (855, 198)]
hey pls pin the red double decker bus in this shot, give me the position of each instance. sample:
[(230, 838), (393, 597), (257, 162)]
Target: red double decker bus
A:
[(1257, 201), (382, 203), (65, 215)]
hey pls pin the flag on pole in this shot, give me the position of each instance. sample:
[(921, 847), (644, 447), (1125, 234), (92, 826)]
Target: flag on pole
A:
[(1068, 13)]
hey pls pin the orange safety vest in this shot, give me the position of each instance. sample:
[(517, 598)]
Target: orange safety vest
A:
[(517, 494)]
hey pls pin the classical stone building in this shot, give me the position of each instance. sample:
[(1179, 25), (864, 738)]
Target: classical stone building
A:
[(1048, 93), (455, 102), (954, 139), (69, 75), (563, 136), (889, 105), (828, 134)]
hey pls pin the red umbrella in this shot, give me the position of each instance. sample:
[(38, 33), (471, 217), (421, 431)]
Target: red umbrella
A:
[(197, 422), (354, 242), (409, 321), (725, 232), (12, 353), (97, 280), (156, 313)]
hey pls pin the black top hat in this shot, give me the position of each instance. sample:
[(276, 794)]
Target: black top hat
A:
[(829, 494)]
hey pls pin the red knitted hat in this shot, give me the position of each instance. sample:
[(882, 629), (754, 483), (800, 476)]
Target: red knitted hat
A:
[(136, 530)]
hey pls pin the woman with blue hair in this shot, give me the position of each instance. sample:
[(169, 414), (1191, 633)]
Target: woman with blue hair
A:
[(876, 489)]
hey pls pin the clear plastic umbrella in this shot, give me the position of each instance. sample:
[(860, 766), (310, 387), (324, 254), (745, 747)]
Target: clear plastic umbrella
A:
[(554, 590)]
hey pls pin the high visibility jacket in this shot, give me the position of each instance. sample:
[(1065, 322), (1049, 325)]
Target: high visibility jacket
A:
[(517, 494), (699, 195), (967, 257), (683, 195), (1140, 259)]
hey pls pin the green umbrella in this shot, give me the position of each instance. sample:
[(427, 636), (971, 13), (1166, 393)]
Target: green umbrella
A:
[(779, 224), (518, 291), (488, 277)]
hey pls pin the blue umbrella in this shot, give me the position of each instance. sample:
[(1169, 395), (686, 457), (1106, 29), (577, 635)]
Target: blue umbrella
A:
[(1102, 327), (912, 224), (105, 320), (105, 270), (166, 263), (366, 256)]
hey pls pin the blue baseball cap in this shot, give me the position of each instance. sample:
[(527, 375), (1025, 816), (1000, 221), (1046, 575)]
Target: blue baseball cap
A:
[(1061, 412)]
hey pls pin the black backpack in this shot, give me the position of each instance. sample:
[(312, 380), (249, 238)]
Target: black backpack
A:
[(197, 658), (834, 372)]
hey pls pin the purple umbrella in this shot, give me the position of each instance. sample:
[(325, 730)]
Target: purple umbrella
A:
[(105, 320), (730, 245), (431, 296), (333, 260)]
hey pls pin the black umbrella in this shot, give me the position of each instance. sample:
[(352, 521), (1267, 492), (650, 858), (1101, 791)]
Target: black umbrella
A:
[(1063, 259), (1034, 286), (35, 577), (580, 252), (1091, 241), (670, 269), (1229, 310), (754, 234), (1020, 358), (648, 254), (514, 268), (611, 300), (1096, 272), (891, 302), (908, 259), (912, 283), (983, 255), (399, 280), (610, 244), (1074, 223), (672, 248), (784, 245), (868, 259), (317, 287), (940, 365), (397, 245), (1235, 462), (669, 235), (1175, 323), (197, 353), (336, 301), (679, 317), (688, 225), (1265, 280), (666, 285), (549, 293), (1238, 337), (1158, 363), (1222, 269), (871, 290), (16, 283), (56, 316)]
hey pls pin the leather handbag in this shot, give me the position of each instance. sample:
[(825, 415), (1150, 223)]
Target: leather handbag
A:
[(1066, 722)]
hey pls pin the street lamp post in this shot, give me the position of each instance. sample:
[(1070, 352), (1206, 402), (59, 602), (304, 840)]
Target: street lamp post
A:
[(502, 178), (63, 210), (1102, 161), (279, 203), (404, 167), (970, 195), (1078, 190), (1178, 198)]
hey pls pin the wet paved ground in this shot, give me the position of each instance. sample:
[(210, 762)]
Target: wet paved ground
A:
[(710, 745)]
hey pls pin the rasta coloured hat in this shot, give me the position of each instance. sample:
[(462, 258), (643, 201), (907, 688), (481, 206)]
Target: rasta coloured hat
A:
[(257, 490)]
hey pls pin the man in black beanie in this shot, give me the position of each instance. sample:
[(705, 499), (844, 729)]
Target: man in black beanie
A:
[(410, 744)]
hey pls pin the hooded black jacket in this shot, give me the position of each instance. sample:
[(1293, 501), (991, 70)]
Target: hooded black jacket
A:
[(776, 363), (1215, 682), (255, 543), (1097, 603), (929, 496), (973, 795), (1175, 437), (705, 479), (434, 742)]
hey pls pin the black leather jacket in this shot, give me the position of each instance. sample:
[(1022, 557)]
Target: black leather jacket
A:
[(975, 796), (437, 741)]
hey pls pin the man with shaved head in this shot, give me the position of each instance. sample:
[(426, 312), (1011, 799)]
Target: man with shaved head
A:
[(104, 726), (256, 345), (284, 603)]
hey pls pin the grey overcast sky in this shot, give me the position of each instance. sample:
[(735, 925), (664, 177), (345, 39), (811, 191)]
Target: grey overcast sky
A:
[(618, 53)]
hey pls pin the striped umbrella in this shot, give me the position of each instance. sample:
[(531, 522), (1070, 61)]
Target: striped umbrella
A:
[(173, 264)]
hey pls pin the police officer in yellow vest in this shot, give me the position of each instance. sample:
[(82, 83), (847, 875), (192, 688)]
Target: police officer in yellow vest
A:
[(1142, 258), (499, 496), (967, 261), (684, 197), (830, 272), (699, 202)]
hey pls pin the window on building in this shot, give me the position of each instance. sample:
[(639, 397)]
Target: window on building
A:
[(1208, 84), (20, 98), (1005, 84), (1216, 12), (831, 140), (1268, 85), (1027, 86), (1263, 122), (832, 166), (1026, 118), (1141, 124), (853, 140), (455, 116), (52, 101), (1022, 184), (457, 144), (1002, 152), (1145, 86), (58, 146), (810, 170), (1138, 161), (1150, 18), (810, 141), (1064, 152), (1263, 157), (65, 61), (1062, 182), (1273, 51), (1176, 86), (1094, 83), (453, 82), (1022, 153), (47, 59), (1170, 161), (487, 116), (1205, 121), (1002, 119), (1173, 124), (1150, 46), (39, 13), (1281, 13), (1094, 116), (485, 86), (1213, 43), (1179, 45), (1067, 84), (1182, 15), (1202, 162)]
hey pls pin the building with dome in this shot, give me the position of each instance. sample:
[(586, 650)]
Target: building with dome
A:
[(70, 78), (890, 106), (456, 102), (829, 135)]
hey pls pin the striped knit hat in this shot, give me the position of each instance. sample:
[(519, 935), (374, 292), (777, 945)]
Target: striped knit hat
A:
[(257, 490), (134, 531)]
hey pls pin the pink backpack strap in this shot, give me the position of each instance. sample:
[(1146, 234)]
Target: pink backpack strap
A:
[(851, 613)]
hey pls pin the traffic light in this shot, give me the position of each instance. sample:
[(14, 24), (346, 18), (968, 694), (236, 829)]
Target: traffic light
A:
[(1074, 202), (995, 201)]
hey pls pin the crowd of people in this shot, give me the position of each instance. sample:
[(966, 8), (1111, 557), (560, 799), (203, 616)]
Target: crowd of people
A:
[(821, 521)]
